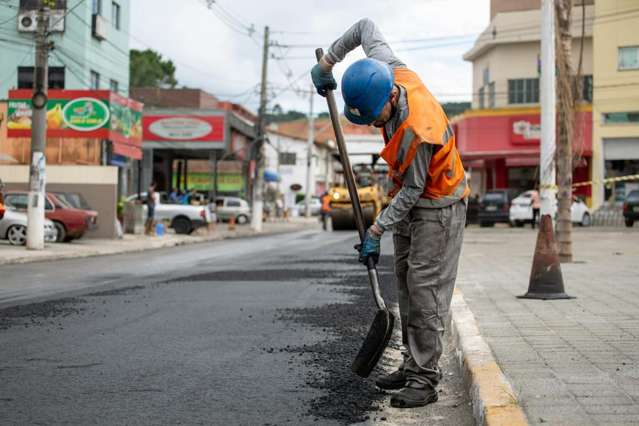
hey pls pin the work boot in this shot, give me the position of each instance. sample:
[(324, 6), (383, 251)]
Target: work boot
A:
[(395, 380), (415, 394)]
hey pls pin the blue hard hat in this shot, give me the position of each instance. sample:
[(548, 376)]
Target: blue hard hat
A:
[(366, 87)]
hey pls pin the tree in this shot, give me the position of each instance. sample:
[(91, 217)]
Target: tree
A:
[(149, 69), (565, 104)]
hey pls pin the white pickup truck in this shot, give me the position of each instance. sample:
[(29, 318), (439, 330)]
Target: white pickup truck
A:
[(183, 218)]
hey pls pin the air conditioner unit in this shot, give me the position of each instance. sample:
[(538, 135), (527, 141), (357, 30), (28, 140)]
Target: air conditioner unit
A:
[(99, 27), (28, 21)]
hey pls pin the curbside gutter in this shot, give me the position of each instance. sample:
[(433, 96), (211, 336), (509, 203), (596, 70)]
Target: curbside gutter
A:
[(492, 396)]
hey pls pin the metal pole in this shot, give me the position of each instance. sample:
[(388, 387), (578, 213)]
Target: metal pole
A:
[(37, 176), (258, 186), (548, 188), (309, 155), (215, 178)]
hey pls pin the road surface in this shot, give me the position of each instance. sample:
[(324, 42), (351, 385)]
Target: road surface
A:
[(252, 331)]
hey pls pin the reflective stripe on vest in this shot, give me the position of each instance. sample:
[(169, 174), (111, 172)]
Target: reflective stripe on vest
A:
[(426, 123)]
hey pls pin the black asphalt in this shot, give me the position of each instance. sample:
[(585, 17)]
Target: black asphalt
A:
[(254, 331)]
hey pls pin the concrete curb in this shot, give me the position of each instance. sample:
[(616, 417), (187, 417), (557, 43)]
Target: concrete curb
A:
[(153, 245), (492, 396)]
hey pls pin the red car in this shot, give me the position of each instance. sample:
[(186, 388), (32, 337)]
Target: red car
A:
[(71, 223)]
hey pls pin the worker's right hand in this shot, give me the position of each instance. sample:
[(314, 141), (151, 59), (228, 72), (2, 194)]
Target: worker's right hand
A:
[(323, 80), (370, 247)]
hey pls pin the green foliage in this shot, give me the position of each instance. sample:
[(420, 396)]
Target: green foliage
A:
[(149, 69), (278, 115), (455, 108)]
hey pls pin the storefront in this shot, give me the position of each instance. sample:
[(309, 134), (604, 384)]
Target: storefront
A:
[(84, 128), (500, 148), (621, 158), (195, 149)]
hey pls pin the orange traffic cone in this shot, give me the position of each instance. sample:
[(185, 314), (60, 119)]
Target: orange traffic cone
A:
[(546, 281), (232, 223)]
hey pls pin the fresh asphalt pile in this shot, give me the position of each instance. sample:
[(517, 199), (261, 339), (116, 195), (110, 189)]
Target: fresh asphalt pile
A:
[(347, 398), (47, 314)]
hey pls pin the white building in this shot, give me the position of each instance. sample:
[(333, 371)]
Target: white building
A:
[(286, 156)]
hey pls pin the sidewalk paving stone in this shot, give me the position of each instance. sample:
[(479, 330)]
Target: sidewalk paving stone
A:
[(569, 361)]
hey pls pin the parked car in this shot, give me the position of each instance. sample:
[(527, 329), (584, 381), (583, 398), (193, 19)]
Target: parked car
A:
[(77, 201), (631, 208), (472, 210), (316, 206), (70, 223), (13, 227), (521, 211), (227, 207), (183, 218), (494, 207)]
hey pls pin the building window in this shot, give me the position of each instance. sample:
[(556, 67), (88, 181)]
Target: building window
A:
[(482, 103), (287, 158), (629, 58), (491, 95), (486, 76), (56, 77), (114, 85), (523, 91), (95, 80), (115, 15), (97, 7), (621, 117)]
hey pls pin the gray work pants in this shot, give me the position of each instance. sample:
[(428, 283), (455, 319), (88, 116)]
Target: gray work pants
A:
[(427, 247)]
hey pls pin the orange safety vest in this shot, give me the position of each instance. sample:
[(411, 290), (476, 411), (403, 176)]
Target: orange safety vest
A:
[(326, 203), (426, 123)]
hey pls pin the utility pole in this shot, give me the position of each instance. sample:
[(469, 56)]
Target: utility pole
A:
[(566, 128), (37, 181), (258, 185), (309, 155), (547, 187)]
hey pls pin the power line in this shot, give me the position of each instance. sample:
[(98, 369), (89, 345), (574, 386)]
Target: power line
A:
[(65, 14)]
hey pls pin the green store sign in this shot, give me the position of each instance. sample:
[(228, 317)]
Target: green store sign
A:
[(86, 114)]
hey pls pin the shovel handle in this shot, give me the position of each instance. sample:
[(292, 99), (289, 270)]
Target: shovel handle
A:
[(352, 187), (343, 156)]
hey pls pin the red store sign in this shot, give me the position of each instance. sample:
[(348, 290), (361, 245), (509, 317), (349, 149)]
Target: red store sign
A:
[(183, 128)]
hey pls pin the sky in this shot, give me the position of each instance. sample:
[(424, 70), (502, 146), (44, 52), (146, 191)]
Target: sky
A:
[(212, 49)]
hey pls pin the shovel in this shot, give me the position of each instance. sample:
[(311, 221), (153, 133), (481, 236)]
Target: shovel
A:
[(382, 328)]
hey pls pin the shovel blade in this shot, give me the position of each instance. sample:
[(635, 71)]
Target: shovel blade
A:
[(374, 344)]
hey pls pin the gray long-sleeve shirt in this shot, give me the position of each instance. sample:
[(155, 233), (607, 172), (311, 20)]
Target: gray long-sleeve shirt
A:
[(366, 34)]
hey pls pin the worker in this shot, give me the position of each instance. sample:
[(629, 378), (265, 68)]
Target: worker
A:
[(427, 212), (325, 210)]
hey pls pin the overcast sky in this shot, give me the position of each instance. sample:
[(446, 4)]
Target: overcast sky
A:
[(211, 55)]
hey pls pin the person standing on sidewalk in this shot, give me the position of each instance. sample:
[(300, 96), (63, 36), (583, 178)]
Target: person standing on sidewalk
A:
[(151, 198), (428, 209), (536, 205), (325, 210)]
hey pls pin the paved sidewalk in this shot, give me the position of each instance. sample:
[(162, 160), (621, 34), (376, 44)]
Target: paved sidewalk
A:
[(131, 243), (569, 361)]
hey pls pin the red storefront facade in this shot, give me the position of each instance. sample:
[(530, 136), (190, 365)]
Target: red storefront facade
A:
[(500, 147)]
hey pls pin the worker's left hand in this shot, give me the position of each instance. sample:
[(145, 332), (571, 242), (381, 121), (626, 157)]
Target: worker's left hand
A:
[(370, 247), (323, 80)]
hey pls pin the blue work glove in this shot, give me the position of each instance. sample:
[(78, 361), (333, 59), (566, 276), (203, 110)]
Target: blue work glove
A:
[(370, 247), (323, 80)]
